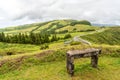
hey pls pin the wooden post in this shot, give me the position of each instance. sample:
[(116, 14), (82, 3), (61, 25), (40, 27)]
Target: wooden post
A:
[(68, 62), (94, 61), (70, 65)]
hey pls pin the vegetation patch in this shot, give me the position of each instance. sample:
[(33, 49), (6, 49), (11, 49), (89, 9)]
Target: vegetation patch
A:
[(110, 36), (48, 61), (67, 36), (44, 46), (75, 43)]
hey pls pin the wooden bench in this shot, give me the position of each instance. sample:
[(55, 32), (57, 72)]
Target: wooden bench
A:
[(71, 54)]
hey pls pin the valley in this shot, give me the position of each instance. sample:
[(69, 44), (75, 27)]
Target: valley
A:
[(33, 59)]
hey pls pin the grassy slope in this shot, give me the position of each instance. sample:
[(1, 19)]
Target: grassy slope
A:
[(53, 67), (78, 27), (109, 36), (22, 28), (17, 48), (20, 31), (47, 26)]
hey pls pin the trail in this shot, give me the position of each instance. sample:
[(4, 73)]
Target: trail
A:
[(79, 39)]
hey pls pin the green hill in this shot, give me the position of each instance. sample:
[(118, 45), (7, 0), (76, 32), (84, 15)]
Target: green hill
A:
[(55, 26), (110, 36), (32, 60)]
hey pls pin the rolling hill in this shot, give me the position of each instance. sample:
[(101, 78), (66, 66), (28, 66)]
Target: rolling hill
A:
[(55, 26), (22, 61), (110, 36)]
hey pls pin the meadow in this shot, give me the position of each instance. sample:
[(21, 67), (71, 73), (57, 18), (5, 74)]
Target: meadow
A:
[(53, 66), (30, 62)]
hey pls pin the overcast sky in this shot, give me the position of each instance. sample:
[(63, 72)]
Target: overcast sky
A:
[(17, 12)]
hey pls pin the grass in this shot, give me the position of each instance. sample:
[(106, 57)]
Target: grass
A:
[(21, 28), (53, 66), (31, 63), (28, 48), (109, 69), (17, 48), (20, 31), (48, 26), (72, 34), (109, 36), (78, 27), (43, 27)]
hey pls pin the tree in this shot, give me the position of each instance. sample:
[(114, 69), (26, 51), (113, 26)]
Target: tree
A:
[(2, 37), (67, 36), (54, 38)]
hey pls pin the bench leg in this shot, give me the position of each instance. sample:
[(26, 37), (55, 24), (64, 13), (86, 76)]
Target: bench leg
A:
[(67, 62), (71, 69), (94, 61), (70, 65)]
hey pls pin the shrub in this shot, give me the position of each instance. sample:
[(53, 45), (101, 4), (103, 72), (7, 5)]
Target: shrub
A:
[(87, 30), (74, 29), (64, 31), (75, 43), (80, 22), (9, 53), (67, 36), (45, 46)]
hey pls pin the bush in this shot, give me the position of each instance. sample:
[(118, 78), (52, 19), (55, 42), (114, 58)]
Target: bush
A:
[(67, 36), (9, 53), (74, 29), (87, 30), (54, 38), (75, 43), (80, 22), (64, 31), (45, 46)]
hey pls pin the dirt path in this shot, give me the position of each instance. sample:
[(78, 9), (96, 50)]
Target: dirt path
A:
[(79, 39)]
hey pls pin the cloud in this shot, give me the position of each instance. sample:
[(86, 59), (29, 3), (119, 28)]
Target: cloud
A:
[(15, 12)]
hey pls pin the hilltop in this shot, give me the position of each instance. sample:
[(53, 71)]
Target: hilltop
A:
[(55, 26)]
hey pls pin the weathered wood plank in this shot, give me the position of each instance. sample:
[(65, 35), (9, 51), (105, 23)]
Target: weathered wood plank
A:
[(79, 52), (71, 54)]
